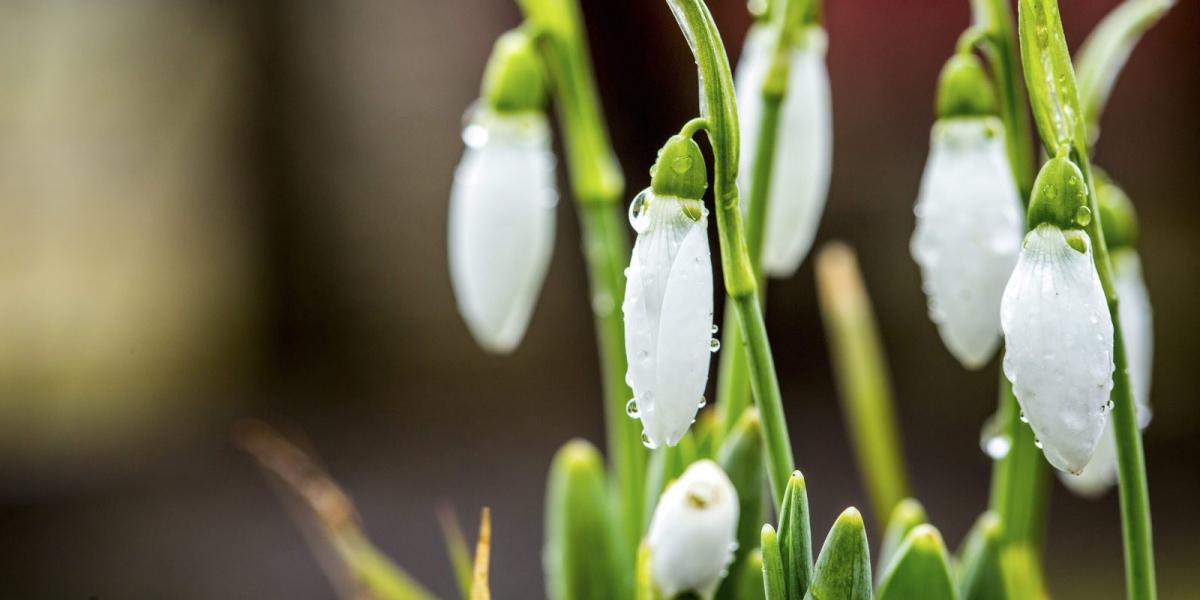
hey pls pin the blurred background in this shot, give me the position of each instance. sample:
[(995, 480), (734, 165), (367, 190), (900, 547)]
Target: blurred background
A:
[(216, 209)]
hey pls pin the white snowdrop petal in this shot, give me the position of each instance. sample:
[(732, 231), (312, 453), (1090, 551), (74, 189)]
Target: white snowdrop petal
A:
[(668, 318), (1137, 324), (1059, 340), (1137, 327), (683, 343), (968, 234), (501, 227), (692, 535), (804, 147)]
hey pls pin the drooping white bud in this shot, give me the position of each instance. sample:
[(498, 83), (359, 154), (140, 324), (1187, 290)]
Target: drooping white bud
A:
[(968, 234), (668, 315), (1137, 331), (502, 224), (803, 148), (693, 533), (1059, 344)]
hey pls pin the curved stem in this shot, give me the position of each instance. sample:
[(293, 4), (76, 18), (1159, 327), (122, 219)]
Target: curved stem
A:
[(598, 186), (995, 18), (720, 112), (1050, 76)]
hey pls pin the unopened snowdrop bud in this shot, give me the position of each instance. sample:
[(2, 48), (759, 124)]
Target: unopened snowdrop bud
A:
[(969, 224), (804, 146), (501, 228), (669, 296), (1120, 232), (1057, 328), (692, 534)]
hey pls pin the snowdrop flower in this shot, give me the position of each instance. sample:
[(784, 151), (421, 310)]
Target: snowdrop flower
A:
[(669, 296), (969, 223), (1120, 232), (804, 148), (692, 535), (502, 201), (1057, 329)]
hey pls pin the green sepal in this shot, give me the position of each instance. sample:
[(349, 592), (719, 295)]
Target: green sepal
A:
[(513, 81), (907, 514), (679, 170), (666, 465), (1059, 196), (741, 457), (774, 587), (795, 537), (979, 575), (581, 555), (1117, 215), (921, 569), (843, 570), (964, 89)]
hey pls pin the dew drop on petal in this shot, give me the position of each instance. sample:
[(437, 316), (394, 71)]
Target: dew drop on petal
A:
[(714, 345), (1038, 443), (646, 441), (638, 218), (715, 328), (475, 135), (1024, 419), (703, 402), (631, 408)]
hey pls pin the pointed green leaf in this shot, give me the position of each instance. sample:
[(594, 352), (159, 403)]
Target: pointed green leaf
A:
[(666, 465), (979, 576), (1022, 573), (456, 548), (772, 571), (843, 570), (1050, 76), (1104, 52), (741, 456), (750, 581), (795, 537), (580, 556), (921, 570), (907, 515)]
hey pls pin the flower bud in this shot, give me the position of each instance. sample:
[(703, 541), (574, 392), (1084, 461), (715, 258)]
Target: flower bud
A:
[(964, 89), (1059, 196), (501, 226), (669, 297), (513, 80), (1117, 215), (692, 534), (803, 148), (1059, 341), (968, 234)]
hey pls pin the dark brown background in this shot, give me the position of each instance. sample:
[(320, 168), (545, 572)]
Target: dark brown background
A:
[(304, 217)]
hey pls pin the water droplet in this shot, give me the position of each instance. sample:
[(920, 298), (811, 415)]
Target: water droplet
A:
[(1050, 191), (646, 441), (475, 135), (638, 218), (681, 164), (715, 328), (631, 408), (714, 345), (1024, 419), (1109, 405), (993, 440), (626, 272), (703, 402), (1083, 216), (1038, 443)]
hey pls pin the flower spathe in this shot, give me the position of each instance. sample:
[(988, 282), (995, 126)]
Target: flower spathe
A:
[(1138, 333), (692, 536), (1059, 344), (668, 314), (804, 147), (968, 234), (501, 228)]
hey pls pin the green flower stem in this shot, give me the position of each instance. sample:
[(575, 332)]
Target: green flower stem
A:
[(1061, 122), (862, 377), (741, 285), (598, 186), (1019, 478)]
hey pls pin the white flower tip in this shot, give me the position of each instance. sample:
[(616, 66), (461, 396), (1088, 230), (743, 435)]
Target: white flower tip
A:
[(693, 533)]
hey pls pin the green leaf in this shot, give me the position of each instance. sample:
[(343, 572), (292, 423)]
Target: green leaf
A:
[(772, 571), (646, 590), (666, 465), (905, 517), (741, 457), (1022, 573), (1105, 51), (843, 570), (750, 580), (795, 537), (456, 548), (921, 570), (979, 574), (1050, 76), (580, 554)]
